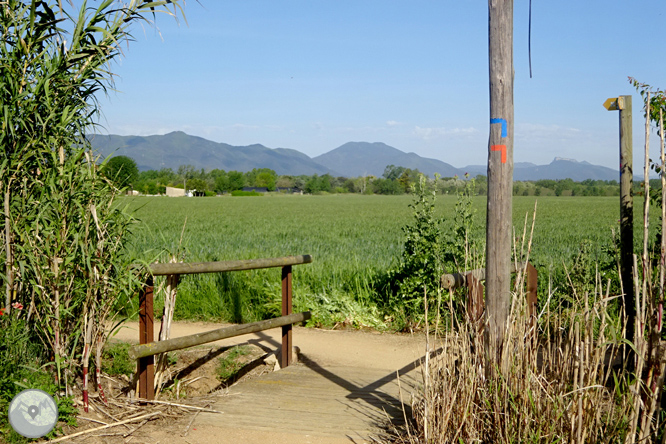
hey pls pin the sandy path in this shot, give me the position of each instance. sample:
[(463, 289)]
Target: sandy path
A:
[(383, 353)]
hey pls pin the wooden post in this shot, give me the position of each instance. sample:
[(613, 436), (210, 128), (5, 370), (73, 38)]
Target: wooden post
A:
[(500, 175), (146, 364), (475, 303), (623, 104), (531, 292), (286, 310), (627, 213)]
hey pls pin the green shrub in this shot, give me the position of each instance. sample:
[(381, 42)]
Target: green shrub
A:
[(430, 249), (21, 367), (116, 360), (422, 261), (229, 364), (245, 193)]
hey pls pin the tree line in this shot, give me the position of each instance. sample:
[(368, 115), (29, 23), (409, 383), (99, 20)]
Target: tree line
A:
[(395, 180)]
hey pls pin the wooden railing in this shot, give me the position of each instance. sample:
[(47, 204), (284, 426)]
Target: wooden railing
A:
[(475, 300), (147, 349)]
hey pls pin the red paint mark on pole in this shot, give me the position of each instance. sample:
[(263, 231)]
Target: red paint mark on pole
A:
[(501, 148)]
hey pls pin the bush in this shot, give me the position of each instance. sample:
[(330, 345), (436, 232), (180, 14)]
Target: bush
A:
[(21, 359), (246, 193), (422, 261), (430, 251)]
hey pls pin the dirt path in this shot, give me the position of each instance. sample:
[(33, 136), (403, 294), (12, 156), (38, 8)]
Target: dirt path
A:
[(337, 360)]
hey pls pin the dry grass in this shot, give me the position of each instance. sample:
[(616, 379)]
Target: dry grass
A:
[(570, 387)]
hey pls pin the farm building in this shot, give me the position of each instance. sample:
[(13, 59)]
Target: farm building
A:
[(175, 192)]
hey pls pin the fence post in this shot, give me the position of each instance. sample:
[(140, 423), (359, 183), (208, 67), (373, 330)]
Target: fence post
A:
[(531, 293), (627, 215), (286, 310), (146, 364), (475, 300)]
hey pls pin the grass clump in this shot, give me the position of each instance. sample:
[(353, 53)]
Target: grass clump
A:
[(231, 363), (116, 360)]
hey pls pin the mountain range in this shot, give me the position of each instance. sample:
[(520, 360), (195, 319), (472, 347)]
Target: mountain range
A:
[(352, 159)]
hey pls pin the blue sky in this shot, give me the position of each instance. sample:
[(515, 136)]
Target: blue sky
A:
[(313, 75)]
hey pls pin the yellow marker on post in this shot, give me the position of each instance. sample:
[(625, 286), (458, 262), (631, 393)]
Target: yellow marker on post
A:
[(611, 104)]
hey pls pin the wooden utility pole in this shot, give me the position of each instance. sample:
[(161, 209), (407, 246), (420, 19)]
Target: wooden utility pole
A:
[(623, 104), (500, 174)]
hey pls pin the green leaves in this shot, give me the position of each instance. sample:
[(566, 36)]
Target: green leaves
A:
[(62, 251), (657, 99)]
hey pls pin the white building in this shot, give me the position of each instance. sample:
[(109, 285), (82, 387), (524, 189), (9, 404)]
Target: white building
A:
[(175, 192)]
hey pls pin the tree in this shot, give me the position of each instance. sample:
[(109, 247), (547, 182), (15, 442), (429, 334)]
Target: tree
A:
[(122, 171), (198, 185), (62, 236), (408, 178), (392, 172), (266, 179), (221, 183), (285, 182), (235, 181), (312, 185), (186, 172), (387, 186), (261, 177)]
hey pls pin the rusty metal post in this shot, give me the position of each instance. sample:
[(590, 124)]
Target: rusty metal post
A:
[(475, 300), (286, 310), (146, 365)]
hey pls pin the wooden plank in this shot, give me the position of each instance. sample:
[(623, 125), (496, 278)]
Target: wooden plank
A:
[(222, 266), (335, 401), (153, 348), (457, 280)]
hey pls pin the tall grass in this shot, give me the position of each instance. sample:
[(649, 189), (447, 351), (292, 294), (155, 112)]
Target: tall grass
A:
[(563, 389), (570, 377)]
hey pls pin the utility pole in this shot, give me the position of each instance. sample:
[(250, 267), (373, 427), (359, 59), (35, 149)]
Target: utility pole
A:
[(500, 175)]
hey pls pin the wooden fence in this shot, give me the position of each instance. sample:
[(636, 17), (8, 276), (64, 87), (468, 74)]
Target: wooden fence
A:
[(475, 300), (145, 351)]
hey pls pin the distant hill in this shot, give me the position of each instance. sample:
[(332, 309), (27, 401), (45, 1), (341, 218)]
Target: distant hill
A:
[(355, 159), (559, 168), (352, 159), (177, 148)]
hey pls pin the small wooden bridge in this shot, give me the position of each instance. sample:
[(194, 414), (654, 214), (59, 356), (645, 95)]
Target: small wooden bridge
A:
[(318, 400), (307, 399)]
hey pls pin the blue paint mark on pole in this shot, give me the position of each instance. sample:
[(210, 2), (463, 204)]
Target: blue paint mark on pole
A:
[(503, 122)]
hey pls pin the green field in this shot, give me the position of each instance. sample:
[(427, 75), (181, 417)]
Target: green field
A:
[(354, 239)]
